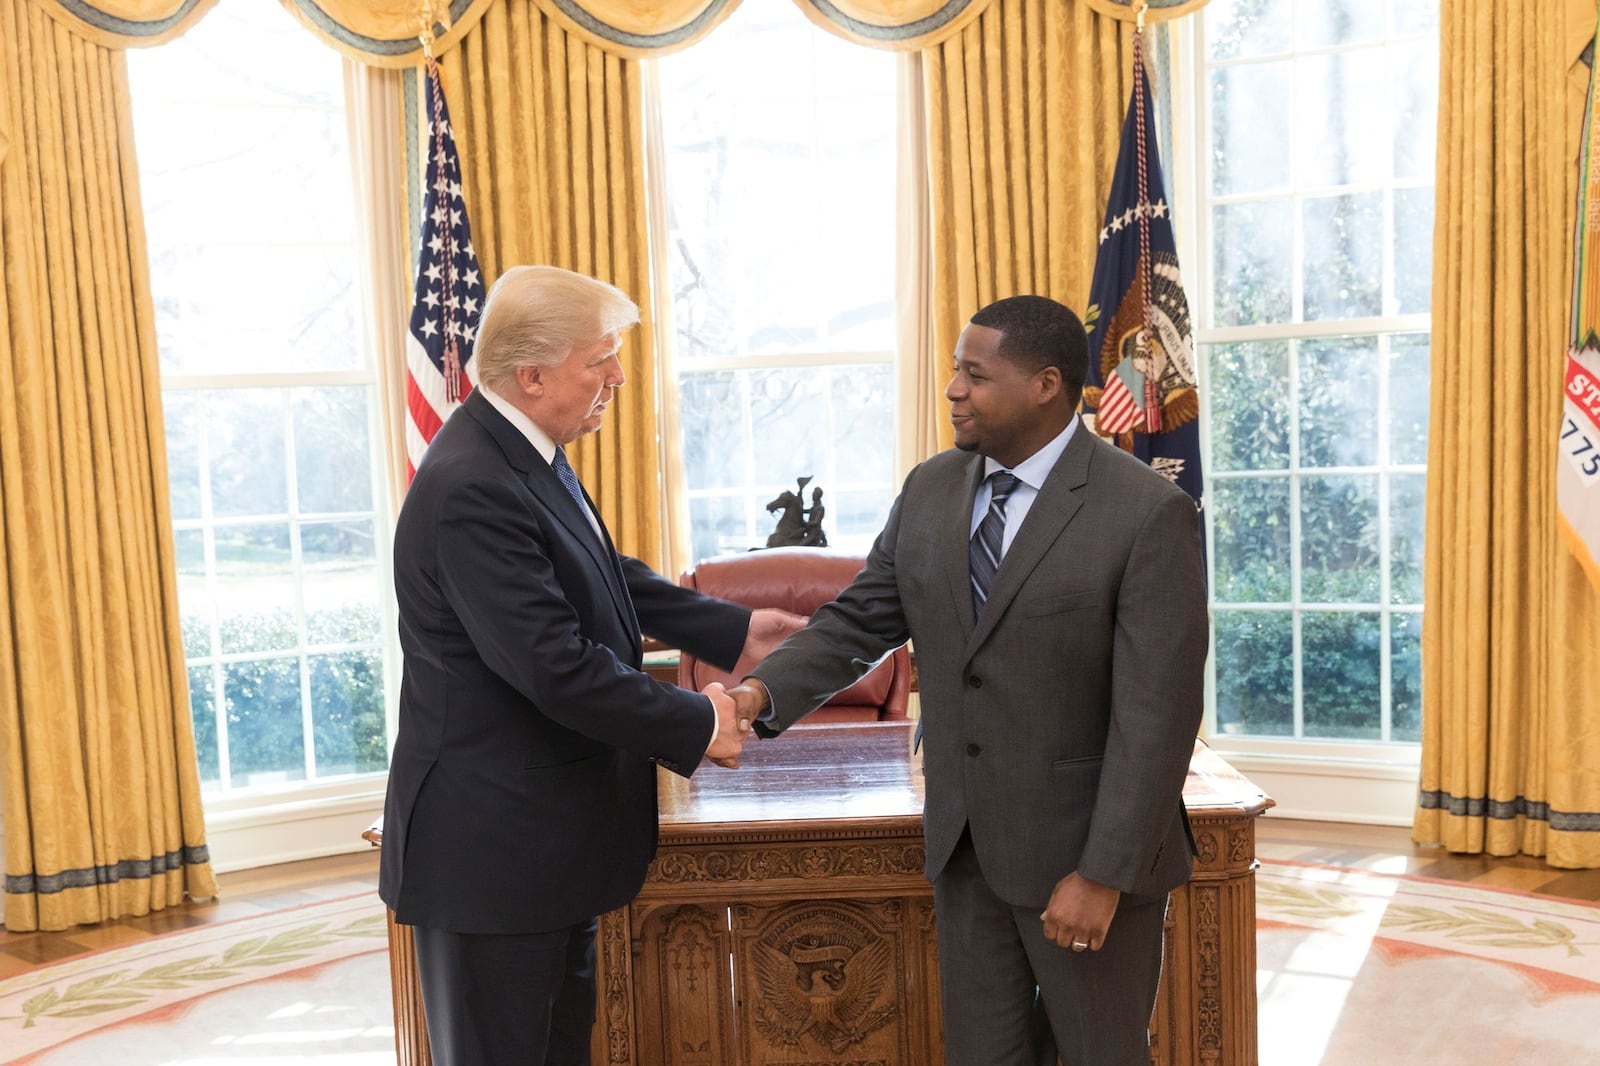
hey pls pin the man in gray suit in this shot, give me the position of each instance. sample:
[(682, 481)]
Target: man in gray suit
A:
[(1054, 588)]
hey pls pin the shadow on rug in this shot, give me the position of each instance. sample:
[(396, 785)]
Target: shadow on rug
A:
[(1355, 969)]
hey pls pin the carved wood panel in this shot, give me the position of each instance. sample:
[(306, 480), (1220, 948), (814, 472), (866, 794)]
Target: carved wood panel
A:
[(828, 983)]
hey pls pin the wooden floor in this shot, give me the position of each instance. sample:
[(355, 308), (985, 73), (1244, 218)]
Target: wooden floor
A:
[(1381, 849)]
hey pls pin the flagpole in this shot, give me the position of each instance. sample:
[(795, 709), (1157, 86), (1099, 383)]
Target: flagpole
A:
[(1152, 373)]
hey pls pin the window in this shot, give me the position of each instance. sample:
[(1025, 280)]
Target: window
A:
[(279, 519), (1315, 216), (780, 175)]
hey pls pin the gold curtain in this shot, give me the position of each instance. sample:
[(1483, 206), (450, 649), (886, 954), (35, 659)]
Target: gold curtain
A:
[(551, 135), (102, 794), (1511, 641), (1025, 111)]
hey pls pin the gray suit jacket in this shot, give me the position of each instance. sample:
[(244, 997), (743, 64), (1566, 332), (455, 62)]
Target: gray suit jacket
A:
[(1060, 724)]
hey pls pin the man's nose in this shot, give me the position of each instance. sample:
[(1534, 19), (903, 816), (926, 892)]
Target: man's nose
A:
[(616, 378), (954, 390)]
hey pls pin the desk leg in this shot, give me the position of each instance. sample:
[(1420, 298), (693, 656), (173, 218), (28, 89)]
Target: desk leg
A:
[(410, 1030)]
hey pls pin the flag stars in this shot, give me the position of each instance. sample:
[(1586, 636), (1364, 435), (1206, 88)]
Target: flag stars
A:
[(429, 327), (436, 245), (432, 298), (471, 276), (433, 272)]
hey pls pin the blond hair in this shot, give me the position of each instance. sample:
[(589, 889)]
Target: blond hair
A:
[(536, 316)]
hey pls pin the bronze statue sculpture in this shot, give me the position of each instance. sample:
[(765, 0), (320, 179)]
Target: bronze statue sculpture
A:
[(798, 525)]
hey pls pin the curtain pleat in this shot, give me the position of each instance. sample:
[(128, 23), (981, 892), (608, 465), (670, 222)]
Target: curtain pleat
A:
[(1024, 118), (102, 795), (551, 132), (1510, 648)]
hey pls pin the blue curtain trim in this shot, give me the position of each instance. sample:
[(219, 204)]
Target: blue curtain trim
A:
[(908, 31), (126, 870), (606, 32), (372, 45), (126, 27), (1482, 806)]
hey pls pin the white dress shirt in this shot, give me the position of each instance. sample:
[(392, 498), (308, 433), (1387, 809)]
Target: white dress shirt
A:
[(1030, 474)]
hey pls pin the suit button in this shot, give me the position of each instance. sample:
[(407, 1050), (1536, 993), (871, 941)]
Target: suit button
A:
[(974, 749), (975, 681)]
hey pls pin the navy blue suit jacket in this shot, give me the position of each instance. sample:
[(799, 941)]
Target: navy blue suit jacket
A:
[(522, 789)]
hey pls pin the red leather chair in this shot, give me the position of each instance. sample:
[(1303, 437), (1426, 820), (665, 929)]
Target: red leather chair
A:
[(799, 580)]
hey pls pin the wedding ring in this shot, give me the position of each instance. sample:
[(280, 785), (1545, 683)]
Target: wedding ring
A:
[(1080, 945)]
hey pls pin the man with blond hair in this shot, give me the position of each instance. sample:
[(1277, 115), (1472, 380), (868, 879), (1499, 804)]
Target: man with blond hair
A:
[(522, 789)]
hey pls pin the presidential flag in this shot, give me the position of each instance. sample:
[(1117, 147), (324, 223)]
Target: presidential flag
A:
[(448, 293), (1578, 468), (1141, 391)]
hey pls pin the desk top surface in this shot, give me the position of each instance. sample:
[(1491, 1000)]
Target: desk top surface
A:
[(868, 771)]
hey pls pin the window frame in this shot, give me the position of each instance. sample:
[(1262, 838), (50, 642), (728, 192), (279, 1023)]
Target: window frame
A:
[(1391, 765)]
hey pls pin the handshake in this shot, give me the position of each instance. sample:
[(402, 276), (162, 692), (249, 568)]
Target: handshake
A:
[(741, 705), (736, 708)]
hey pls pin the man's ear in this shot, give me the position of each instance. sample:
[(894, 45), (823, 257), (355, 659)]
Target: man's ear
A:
[(1050, 384), (530, 380)]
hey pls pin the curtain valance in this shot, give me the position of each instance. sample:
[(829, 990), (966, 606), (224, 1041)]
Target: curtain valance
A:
[(383, 33)]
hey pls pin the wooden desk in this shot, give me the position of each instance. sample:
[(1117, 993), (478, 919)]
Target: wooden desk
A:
[(786, 921)]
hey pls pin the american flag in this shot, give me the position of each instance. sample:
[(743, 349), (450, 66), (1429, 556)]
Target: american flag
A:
[(448, 294)]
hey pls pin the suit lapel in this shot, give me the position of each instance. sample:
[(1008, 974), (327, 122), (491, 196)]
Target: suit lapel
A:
[(1054, 507), (548, 490), (954, 544)]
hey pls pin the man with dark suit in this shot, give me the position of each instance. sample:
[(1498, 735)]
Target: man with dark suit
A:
[(1054, 589), (522, 789)]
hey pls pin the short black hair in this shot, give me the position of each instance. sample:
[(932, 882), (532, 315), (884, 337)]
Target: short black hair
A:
[(1038, 332)]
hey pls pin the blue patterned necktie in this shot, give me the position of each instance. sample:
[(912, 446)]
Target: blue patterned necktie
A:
[(569, 480), (984, 553)]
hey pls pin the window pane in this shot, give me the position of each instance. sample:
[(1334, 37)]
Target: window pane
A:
[(789, 415), (1417, 16), (1413, 250), (1414, 66), (714, 449), (245, 441), (1406, 510), (723, 524), (1408, 398), (1255, 672), (1340, 672), (1341, 100), (1250, 535), (1330, 22), (1252, 249), (863, 429), (1249, 127), (1338, 393), (347, 713), (1249, 406), (266, 745), (339, 569), (1339, 539), (1239, 28), (182, 412), (1344, 256), (332, 449), (194, 594), (1405, 677), (203, 710), (255, 591)]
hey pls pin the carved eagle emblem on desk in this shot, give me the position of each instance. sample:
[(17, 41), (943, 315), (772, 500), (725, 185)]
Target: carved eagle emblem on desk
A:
[(822, 984)]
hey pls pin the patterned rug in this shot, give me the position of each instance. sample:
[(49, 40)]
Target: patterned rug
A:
[(1356, 969)]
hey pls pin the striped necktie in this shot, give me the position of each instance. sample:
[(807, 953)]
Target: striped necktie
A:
[(984, 552)]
